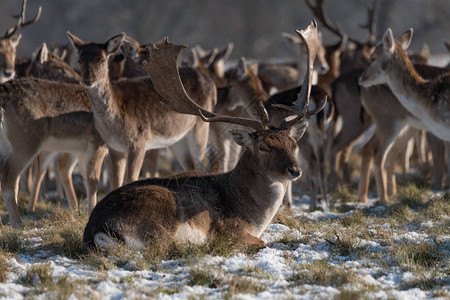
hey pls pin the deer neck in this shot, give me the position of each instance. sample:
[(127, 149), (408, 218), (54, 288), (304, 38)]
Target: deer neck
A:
[(103, 101), (257, 196), (403, 79), (419, 96)]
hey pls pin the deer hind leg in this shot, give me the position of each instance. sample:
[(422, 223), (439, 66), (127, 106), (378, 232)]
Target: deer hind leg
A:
[(116, 165), (135, 159), (438, 149), (447, 157), (150, 165), (91, 168), (386, 142), (420, 142), (339, 152), (406, 155), (343, 163), (40, 166), (322, 177), (197, 141), (397, 149), (65, 165), (19, 159), (367, 154)]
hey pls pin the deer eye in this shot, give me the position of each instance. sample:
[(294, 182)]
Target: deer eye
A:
[(263, 149)]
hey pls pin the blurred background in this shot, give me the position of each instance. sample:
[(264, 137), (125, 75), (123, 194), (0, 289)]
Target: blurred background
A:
[(254, 26)]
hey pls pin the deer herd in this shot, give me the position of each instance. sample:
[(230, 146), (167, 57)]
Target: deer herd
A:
[(254, 125)]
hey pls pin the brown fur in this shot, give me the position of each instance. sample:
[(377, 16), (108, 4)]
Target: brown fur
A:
[(235, 203), (129, 113), (36, 110), (427, 99)]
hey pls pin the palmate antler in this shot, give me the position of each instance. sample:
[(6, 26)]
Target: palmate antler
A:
[(309, 37), (21, 23), (162, 66)]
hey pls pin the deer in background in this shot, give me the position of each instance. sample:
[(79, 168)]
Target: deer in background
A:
[(350, 120), (8, 46), (241, 98), (130, 114), (190, 208), (428, 100), (45, 65), (394, 127), (355, 120), (285, 76), (42, 115)]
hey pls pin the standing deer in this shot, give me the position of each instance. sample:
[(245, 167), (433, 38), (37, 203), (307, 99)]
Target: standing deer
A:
[(349, 96), (191, 207), (9, 43), (428, 100), (45, 65), (130, 114), (42, 115)]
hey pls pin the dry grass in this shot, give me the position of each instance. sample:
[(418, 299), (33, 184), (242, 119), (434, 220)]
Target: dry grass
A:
[(4, 268), (344, 194), (287, 219), (10, 241), (231, 284), (321, 272), (40, 277), (413, 256), (61, 233)]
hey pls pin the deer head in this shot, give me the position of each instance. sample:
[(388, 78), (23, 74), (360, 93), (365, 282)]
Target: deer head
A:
[(9, 43), (244, 86), (386, 51), (93, 58), (49, 66)]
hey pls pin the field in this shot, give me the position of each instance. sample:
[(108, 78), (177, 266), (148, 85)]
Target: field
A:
[(399, 251)]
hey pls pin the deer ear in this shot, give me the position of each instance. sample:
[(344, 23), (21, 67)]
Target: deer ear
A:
[(425, 51), (76, 41), (241, 137), (192, 59), (298, 130), (15, 40), (225, 53), (129, 49), (388, 41), (114, 43), (253, 68), (405, 38), (43, 54), (291, 39), (241, 69)]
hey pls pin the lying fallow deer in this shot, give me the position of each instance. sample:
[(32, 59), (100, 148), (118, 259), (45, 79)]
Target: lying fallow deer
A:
[(191, 207)]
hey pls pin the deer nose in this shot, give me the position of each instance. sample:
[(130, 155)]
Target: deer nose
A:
[(324, 69), (8, 73), (294, 172), (87, 82)]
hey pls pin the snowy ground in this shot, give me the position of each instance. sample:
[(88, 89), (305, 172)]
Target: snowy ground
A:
[(367, 252)]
